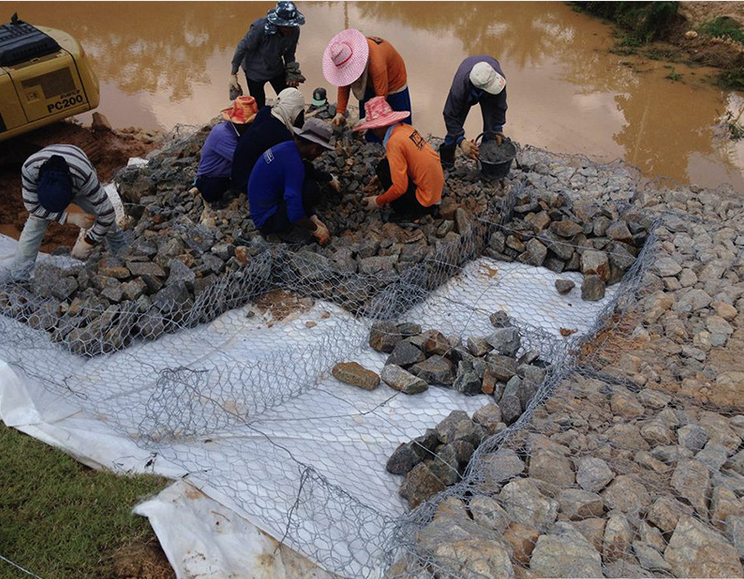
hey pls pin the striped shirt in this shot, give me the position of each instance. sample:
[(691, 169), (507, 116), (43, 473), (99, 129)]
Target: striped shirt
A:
[(84, 182)]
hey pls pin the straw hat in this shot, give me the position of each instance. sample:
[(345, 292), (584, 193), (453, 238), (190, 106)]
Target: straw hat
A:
[(484, 77), (345, 57), (378, 114), (242, 112)]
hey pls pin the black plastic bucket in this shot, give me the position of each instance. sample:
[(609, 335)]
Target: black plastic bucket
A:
[(495, 160)]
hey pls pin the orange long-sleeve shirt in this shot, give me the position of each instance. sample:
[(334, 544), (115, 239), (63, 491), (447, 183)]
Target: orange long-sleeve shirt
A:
[(411, 157), (387, 72)]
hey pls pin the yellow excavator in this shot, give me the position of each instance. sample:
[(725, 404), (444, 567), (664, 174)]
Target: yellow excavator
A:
[(45, 77)]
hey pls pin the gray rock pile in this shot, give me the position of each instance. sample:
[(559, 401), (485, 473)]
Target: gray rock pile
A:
[(498, 364)]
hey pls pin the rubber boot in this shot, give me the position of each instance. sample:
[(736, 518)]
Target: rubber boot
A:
[(447, 155)]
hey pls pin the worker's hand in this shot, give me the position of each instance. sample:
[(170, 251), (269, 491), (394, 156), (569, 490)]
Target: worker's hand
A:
[(339, 120), (470, 149), (321, 232), (499, 138), (370, 203), (234, 83), (335, 184), (293, 83), (82, 220), (373, 186), (82, 249)]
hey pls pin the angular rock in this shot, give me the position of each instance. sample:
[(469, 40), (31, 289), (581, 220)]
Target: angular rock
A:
[(627, 495), (435, 370), (500, 467), (564, 286), (692, 437), (459, 426), (180, 273), (577, 504), (503, 367), (399, 379), (526, 504), (489, 417), (489, 514), (479, 347), (436, 344), (592, 289), (565, 553), (355, 374), (666, 512), (534, 254), (595, 263), (593, 474), (487, 558), (511, 409), (384, 336), (405, 354), (405, 457), (695, 550), (506, 341), (522, 541), (467, 380), (420, 485), (617, 538), (552, 468)]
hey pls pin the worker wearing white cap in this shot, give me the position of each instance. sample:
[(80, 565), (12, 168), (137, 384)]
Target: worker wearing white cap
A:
[(479, 79)]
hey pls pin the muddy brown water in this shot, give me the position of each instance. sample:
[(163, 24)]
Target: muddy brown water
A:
[(163, 63)]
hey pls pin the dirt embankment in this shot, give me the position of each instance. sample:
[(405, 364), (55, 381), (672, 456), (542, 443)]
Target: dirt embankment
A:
[(115, 148)]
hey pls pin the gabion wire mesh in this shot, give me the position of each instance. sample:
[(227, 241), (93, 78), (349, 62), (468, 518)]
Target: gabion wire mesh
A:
[(198, 371)]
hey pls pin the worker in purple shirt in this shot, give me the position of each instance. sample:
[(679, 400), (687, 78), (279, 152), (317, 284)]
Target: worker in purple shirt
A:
[(478, 80), (216, 163), (281, 192)]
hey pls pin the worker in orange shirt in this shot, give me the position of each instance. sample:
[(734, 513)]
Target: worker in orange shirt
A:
[(411, 173), (367, 67)]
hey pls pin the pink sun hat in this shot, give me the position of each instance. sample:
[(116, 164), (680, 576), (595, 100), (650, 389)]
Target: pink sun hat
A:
[(379, 114), (345, 57)]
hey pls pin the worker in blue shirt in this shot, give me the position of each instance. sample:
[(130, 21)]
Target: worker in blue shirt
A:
[(281, 193)]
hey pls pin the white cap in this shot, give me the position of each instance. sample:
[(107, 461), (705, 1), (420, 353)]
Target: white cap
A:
[(484, 77)]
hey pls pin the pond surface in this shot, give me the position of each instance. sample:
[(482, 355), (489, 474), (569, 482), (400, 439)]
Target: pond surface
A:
[(163, 63)]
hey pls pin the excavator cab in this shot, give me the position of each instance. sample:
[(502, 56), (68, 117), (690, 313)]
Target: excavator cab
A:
[(45, 77)]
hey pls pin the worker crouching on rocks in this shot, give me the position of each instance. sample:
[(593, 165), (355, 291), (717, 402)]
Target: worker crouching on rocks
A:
[(284, 188), (367, 67), (478, 80), (267, 53), (216, 163), (52, 179), (411, 173)]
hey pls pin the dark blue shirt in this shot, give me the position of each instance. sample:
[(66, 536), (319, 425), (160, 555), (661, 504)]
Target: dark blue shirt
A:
[(277, 176), (265, 132)]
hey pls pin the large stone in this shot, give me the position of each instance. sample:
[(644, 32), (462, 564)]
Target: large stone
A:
[(595, 263), (446, 465), (735, 532), (511, 409), (467, 380), (626, 495), (666, 512), (145, 268), (355, 374), (500, 467), (564, 286), (436, 344), (692, 437), (488, 513), (667, 266), (459, 426), (619, 232), (719, 430), (505, 341), (627, 437), (724, 504), (526, 504), (405, 457), (489, 417), (522, 541), (405, 354), (625, 404), (384, 336), (180, 273), (592, 288), (566, 229), (534, 254), (593, 474), (696, 550), (472, 557), (479, 346), (552, 468), (399, 379), (420, 485), (577, 504), (435, 370), (617, 538), (503, 367), (565, 553)]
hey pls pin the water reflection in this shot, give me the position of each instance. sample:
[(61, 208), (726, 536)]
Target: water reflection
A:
[(162, 63)]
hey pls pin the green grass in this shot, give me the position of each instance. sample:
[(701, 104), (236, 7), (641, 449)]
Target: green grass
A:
[(731, 79), (60, 519), (673, 75), (724, 28)]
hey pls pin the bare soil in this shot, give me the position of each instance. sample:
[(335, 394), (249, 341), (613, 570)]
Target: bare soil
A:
[(142, 561), (116, 147)]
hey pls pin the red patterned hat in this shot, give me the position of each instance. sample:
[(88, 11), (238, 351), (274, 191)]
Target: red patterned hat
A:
[(243, 111), (379, 114)]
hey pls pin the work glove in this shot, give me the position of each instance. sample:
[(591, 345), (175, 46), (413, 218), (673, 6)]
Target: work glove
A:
[(321, 232), (293, 75), (82, 220), (499, 137), (82, 249), (370, 203), (373, 185), (339, 120), (234, 84), (470, 149), (335, 184)]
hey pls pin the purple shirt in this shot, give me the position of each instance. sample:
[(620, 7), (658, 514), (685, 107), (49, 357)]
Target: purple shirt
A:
[(217, 153)]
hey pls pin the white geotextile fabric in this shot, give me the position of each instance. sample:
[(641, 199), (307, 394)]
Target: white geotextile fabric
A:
[(344, 433)]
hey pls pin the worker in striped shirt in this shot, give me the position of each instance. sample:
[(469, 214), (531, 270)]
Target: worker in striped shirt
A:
[(52, 179)]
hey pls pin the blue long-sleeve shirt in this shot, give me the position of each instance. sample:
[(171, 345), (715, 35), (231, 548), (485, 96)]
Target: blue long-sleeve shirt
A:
[(218, 151), (463, 95), (277, 176)]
